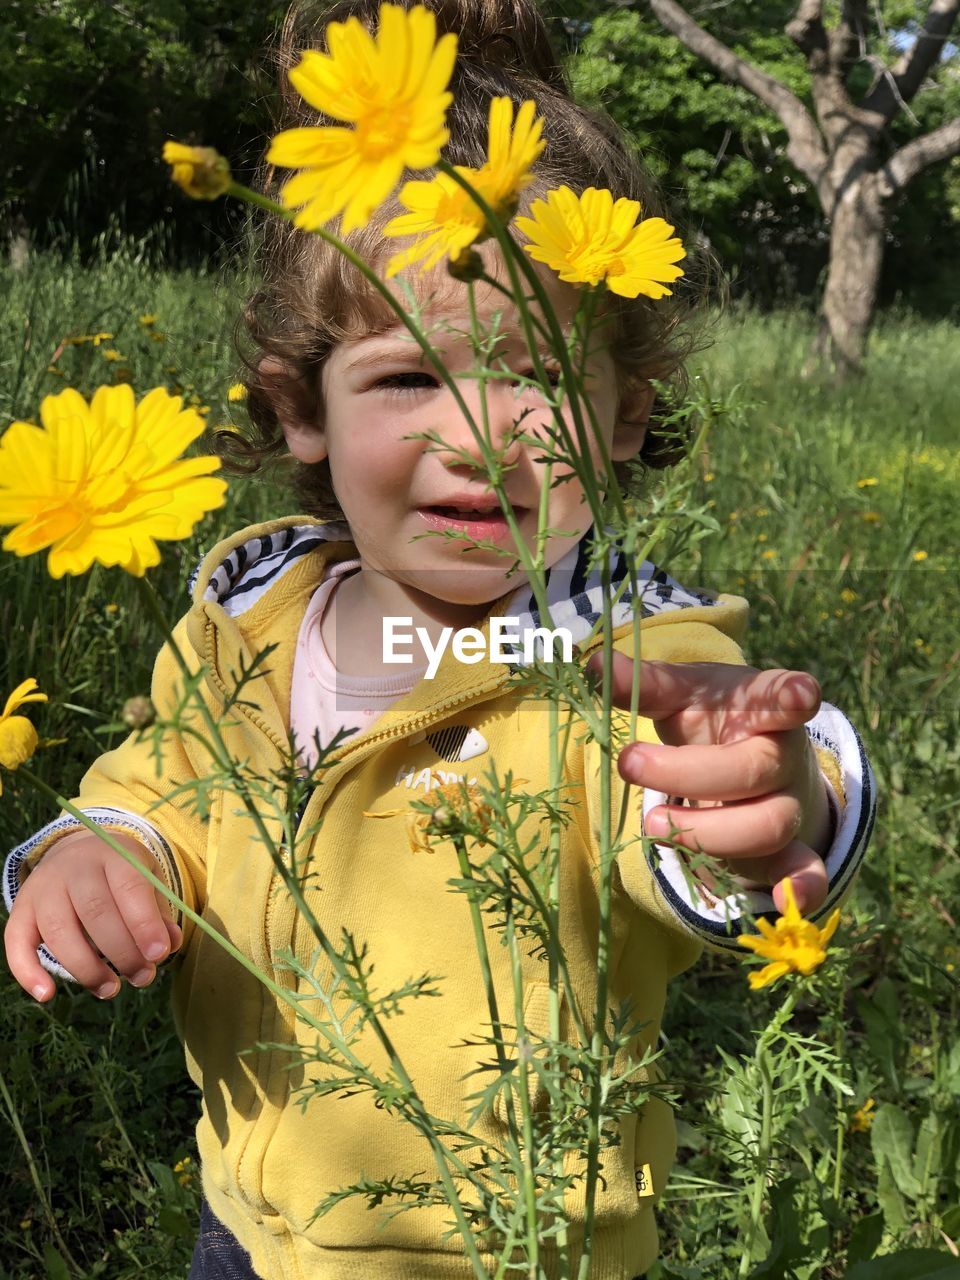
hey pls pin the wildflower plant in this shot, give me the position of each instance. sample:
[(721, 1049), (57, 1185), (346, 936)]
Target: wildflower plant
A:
[(109, 481)]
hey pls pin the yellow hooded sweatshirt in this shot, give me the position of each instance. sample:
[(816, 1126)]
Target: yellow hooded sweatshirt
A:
[(266, 1161)]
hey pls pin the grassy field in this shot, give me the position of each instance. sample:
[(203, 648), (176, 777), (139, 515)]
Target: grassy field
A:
[(836, 513)]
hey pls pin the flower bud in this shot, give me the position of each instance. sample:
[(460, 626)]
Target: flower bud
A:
[(202, 172), (467, 265), (442, 818), (18, 741), (138, 712)]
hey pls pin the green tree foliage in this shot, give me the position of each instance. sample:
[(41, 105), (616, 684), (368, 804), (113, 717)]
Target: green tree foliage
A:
[(94, 87), (720, 153)]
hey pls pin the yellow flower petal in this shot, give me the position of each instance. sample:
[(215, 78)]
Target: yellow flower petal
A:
[(592, 239), (769, 973), (445, 216), (101, 482), (25, 692), (792, 944), (18, 741), (18, 737), (392, 88)]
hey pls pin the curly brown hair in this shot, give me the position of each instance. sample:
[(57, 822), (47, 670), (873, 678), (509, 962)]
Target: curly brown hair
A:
[(312, 298)]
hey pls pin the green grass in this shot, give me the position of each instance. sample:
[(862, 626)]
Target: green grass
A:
[(98, 1092)]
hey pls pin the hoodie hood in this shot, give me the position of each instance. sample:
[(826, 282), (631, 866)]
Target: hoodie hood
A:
[(239, 571)]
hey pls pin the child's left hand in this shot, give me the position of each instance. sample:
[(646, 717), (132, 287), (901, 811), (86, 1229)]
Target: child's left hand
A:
[(736, 748)]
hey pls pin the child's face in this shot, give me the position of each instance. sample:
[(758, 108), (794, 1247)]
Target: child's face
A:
[(378, 390)]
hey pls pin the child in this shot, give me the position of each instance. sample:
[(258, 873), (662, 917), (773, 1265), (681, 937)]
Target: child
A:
[(341, 387)]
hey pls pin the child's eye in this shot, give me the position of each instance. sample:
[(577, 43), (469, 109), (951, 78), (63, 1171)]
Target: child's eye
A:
[(414, 380), (551, 375)]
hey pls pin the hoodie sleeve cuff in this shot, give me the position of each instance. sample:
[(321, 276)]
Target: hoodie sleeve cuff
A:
[(21, 860), (719, 921)]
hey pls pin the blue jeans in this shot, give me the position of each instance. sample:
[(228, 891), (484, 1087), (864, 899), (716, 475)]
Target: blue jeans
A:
[(219, 1256)]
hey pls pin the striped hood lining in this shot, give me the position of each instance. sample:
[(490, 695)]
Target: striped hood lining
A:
[(253, 567), (574, 584)]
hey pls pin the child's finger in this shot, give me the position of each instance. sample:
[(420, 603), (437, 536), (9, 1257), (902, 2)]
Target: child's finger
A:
[(740, 770), (747, 700), (175, 934), (740, 829), (806, 872), (21, 937), (142, 917), (62, 935)]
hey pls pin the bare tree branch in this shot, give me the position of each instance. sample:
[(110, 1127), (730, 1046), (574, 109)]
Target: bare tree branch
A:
[(805, 148), (848, 43), (807, 31), (904, 165), (829, 55), (900, 83)]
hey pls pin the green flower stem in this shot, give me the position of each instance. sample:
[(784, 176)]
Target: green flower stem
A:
[(523, 1089), (14, 1118), (534, 572), (841, 1117), (514, 258), (249, 196), (483, 954), (603, 939), (506, 1251), (553, 959), (765, 1142)]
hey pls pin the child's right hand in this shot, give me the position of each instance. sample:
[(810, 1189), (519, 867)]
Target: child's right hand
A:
[(84, 902)]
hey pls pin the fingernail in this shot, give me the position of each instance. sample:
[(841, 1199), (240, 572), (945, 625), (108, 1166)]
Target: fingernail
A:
[(108, 990), (154, 951), (656, 823), (639, 752), (40, 991), (142, 978)]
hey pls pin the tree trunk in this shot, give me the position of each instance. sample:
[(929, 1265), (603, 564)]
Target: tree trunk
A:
[(19, 245), (857, 235)]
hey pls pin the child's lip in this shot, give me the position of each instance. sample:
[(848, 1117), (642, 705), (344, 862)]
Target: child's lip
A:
[(491, 524), (485, 504)]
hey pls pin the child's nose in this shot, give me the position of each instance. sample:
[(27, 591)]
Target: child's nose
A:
[(498, 423)]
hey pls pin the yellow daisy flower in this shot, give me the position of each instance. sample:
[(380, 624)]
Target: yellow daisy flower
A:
[(201, 172), (862, 1118), (148, 319), (793, 945), (101, 481), (920, 555), (236, 391), (392, 88), (867, 482), (592, 238), (444, 216), (18, 737)]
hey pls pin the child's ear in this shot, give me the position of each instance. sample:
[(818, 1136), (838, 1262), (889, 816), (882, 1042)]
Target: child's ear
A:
[(295, 404), (630, 428)]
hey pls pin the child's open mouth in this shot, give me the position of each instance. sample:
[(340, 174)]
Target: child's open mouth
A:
[(489, 524)]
